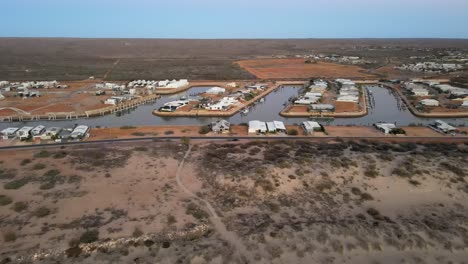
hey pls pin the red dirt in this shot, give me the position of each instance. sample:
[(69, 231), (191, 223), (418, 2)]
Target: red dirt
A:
[(296, 68), (344, 107)]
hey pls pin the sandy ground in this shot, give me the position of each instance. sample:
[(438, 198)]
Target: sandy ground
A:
[(284, 202), (78, 97), (296, 68)]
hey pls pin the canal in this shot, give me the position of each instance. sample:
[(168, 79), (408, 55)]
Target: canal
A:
[(387, 108)]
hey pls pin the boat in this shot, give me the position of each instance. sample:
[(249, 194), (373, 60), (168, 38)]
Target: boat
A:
[(245, 111), (262, 100)]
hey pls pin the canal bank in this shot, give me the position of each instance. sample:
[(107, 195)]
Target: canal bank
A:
[(385, 109)]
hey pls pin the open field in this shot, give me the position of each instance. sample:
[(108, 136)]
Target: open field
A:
[(123, 59), (78, 97), (253, 202), (296, 68)]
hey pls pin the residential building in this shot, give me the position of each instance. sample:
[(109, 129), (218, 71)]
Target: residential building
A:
[(79, 131), (37, 131), (9, 132), (222, 104), (322, 107), (310, 127), (385, 127), (276, 126), (348, 98), (24, 132), (442, 127), (220, 126), (256, 126), (429, 102), (51, 132), (420, 92), (216, 90)]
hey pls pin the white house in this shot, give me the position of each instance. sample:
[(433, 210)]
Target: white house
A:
[(220, 126), (222, 104), (51, 132), (465, 103), (311, 126), (111, 101), (231, 84), (79, 131), (385, 127), (216, 90), (308, 101), (37, 131), (256, 126), (420, 92), (312, 94), (442, 126), (429, 102), (322, 107), (348, 98), (24, 132), (276, 126), (9, 132)]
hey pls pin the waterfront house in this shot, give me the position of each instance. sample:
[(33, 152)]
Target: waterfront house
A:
[(220, 126), (386, 128), (420, 92), (37, 131), (442, 127), (64, 134), (51, 132), (311, 126), (276, 126), (222, 104), (24, 133), (429, 102), (216, 90), (256, 127), (322, 107), (348, 98), (9, 132), (79, 132)]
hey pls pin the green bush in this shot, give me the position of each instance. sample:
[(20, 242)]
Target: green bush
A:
[(127, 127), (293, 132), (19, 206), (9, 237), (16, 184), (42, 212), (38, 166), (204, 130), (25, 162), (168, 132), (89, 236), (42, 154), (5, 200)]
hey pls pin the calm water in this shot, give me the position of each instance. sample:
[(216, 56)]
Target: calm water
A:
[(386, 109)]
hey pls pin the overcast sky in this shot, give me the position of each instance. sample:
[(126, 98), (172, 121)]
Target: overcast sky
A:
[(234, 19)]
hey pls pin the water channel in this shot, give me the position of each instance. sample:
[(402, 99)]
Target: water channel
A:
[(386, 108)]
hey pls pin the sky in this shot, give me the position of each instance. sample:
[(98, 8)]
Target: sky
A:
[(207, 19)]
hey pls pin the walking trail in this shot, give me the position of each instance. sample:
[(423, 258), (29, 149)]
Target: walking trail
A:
[(218, 225)]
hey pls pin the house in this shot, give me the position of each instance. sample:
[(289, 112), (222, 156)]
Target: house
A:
[(220, 126), (231, 84), (172, 106), (348, 98), (312, 94), (276, 126), (429, 102), (2, 96), (465, 103), (256, 127), (51, 132), (420, 92), (443, 127), (222, 104), (216, 90), (9, 132), (111, 101), (64, 134), (37, 131), (311, 126), (257, 87), (322, 107), (385, 127), (24, 132), (307, 101), (79, 131), (100, 92)]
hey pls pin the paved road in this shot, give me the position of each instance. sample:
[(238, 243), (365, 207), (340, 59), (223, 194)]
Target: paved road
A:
[(221, 138)]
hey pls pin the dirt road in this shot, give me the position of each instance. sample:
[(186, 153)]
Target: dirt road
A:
[(218, 225)]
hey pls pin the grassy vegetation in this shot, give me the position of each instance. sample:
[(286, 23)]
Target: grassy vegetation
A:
[(41, 212), (42, 154), (9, 237), (89, 236), (19, 206), (25, 162), (204, 130), (39, 166), (5, 200), (16, 184)]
